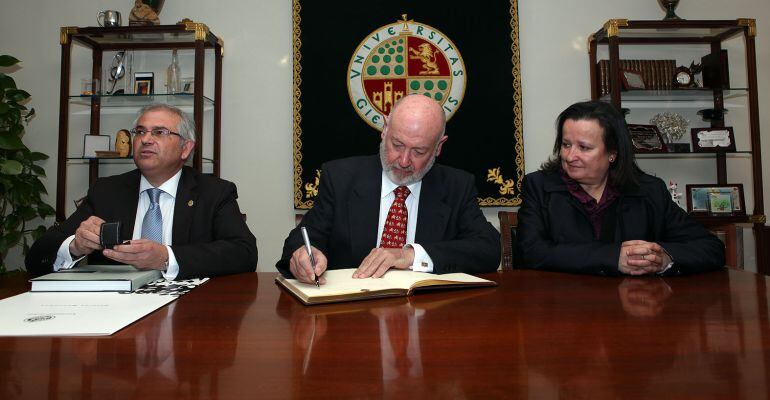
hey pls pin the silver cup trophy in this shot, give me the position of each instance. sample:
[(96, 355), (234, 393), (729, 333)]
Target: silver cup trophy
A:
[(109, 18)]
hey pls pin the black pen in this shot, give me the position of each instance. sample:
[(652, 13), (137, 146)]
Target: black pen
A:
[(309, 249)]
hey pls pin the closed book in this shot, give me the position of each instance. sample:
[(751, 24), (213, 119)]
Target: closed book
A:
[(653, 74), (95, 278), (646, 71), (341, 286), (604, 65), (665, 75)]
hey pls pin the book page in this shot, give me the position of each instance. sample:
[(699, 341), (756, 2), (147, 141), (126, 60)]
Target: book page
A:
[(412, 279), (340, 282)]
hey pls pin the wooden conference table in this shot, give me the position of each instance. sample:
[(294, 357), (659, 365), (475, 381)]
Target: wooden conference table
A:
[(536, 335)]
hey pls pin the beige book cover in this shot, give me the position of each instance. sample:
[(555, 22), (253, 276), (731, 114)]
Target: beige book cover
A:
[(340, 285)]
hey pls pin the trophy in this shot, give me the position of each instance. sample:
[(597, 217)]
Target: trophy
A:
[(670, 6)]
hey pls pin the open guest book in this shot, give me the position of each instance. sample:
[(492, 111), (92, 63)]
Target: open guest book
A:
[(340, 285), (95, 278)]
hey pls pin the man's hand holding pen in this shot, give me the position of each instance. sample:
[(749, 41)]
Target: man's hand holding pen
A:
[(302, 268)]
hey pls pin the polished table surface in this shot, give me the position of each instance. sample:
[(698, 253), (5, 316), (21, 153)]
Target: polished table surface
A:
[(536, 335)]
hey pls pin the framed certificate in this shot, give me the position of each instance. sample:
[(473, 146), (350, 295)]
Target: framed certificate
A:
[(716, 199), (712, 140), (94, 143), (646, 139)]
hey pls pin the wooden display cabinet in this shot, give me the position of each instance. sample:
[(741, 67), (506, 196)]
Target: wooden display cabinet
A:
[(145, 39), (658, 37)]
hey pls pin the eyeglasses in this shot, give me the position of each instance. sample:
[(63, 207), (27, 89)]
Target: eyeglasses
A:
[(155, 132)]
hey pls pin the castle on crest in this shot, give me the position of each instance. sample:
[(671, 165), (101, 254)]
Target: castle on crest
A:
[(384, 100)]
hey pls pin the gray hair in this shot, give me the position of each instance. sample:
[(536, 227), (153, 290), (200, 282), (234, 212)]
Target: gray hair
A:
[(186, 127)]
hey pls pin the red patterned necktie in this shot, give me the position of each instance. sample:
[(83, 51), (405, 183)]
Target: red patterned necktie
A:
[(394, 232)]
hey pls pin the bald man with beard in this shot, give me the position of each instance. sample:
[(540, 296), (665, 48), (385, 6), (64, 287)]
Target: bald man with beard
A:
[(399, 210)]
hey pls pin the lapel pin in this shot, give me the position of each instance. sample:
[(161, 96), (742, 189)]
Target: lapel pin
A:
[(190, 203)]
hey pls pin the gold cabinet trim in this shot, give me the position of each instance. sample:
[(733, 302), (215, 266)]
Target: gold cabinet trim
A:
[(751, 23), (64, 33), (612, 26), (201, 30)]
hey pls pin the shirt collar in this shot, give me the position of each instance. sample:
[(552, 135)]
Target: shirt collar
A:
[(388, 187), (168, 186), (573, 187)]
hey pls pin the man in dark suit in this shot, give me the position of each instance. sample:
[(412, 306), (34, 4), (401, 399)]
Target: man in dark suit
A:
[(396, 211), (179, 221)]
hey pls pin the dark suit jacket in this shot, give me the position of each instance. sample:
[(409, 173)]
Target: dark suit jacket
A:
[(554, 232), (209, 235), (343, 220)]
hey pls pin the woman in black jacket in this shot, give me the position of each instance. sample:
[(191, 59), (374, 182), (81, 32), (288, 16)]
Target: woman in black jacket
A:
[(590, 209)]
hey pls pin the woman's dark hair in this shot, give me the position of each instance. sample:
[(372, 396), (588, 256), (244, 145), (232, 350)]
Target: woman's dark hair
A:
[(624, 173)]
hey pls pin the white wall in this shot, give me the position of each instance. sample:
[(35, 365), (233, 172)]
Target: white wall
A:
[(257, 106)]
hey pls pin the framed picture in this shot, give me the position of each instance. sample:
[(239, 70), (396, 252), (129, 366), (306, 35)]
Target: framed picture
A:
[(716, 199), (188, 85), (646, 139), (144, 83), (94, 143), (712, 140), (632, 80)]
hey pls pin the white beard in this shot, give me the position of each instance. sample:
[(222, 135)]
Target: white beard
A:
[(407, 180)]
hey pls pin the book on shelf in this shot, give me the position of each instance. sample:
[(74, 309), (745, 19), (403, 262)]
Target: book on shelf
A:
[(653, 69), (657, 74), (341, 286), (603, 79), (95, 278)]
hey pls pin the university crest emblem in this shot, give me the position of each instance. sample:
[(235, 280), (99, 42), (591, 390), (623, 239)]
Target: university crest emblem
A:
[(403, 58)]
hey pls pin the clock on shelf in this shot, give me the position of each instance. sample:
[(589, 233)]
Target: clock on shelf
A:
[(683, 78)]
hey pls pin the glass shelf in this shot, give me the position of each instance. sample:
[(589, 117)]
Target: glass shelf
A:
[(678, 32), (115, 160), (683, 95), (675, 155), (139, 100), (117, 38), (151, 36), (673, 31)]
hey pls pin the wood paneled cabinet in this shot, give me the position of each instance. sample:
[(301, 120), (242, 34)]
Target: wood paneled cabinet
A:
[(633, 64), (92, 105)]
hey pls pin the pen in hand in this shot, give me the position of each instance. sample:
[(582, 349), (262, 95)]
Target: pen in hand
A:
[(309, 249)]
